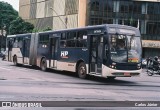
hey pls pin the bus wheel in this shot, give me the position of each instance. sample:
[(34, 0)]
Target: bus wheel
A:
[(82, 70), (15, 61), (111, 78), (43, 64)]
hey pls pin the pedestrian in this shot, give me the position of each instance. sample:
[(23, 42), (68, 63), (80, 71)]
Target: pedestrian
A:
[(155, 63)]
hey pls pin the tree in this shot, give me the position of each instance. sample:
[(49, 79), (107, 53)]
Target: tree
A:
[(7, 15), (11, 21), (19, 26), (47, 29), (42, 30)]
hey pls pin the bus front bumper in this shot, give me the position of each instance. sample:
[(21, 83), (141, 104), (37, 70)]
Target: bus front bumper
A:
[(109, 72)]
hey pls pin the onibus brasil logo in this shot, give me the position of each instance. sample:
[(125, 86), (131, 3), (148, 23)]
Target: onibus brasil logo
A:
[(20, 104)]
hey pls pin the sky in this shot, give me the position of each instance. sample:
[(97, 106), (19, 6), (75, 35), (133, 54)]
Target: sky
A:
[(14, 3)]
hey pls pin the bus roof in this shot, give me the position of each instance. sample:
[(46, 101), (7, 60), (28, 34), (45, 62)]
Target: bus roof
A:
[(19, 35), (111, 28)]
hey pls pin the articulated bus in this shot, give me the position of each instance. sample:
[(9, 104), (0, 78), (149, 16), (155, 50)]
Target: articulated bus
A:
[(108, 51)]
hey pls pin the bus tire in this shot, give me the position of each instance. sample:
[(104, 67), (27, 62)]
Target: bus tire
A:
[(82, 73), (43, 64), (15, 60)]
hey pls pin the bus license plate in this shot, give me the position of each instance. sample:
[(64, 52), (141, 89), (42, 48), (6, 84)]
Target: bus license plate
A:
[(126, 74)]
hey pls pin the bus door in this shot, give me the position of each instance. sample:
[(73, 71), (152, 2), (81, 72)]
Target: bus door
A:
[(96, 49), (10, 46), (53, 52), (26, 49)]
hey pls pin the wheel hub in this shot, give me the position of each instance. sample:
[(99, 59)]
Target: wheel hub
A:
[(82, 70)]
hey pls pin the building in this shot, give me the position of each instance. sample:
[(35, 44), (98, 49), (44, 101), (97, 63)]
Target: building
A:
[(60, 14)]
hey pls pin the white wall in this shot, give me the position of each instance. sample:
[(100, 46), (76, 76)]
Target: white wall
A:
[(40, 10)]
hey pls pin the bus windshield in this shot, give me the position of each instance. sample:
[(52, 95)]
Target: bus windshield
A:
[(125, 48)]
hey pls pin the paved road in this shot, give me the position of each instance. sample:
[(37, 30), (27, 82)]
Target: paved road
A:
[(28, 84)]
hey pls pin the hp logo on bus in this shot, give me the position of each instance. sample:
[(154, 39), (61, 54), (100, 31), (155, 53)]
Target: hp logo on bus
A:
[(64, 54)]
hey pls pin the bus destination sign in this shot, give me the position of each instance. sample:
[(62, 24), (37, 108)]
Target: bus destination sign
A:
[(96, 31)]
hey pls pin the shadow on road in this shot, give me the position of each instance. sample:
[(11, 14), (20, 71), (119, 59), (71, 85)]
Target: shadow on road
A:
[(92, 79), (26, 66)]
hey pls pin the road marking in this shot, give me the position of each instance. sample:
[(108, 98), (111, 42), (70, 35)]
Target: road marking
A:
[(4, 68)]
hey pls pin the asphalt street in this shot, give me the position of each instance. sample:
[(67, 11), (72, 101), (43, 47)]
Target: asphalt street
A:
[(24, 83)]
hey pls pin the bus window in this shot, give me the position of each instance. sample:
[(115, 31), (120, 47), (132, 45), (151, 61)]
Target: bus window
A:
[(113, 43), (63, 39), (20, 42), (63, 36), (82, 39), (44, 40), (100, 48), (63, 44), (118, 48), (71, 43), (17, 42), (71, 39), (74, 39), (15, 45), (124, 48), (121, 45), (133, 49)]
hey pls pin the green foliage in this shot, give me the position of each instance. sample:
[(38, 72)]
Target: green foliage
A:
[(35, 30), (19, 26), (38, 30), (10, 20), (7, 15), (47, 29)]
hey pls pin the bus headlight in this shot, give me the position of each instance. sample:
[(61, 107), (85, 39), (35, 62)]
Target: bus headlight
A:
[(139, 66), (113, 66)]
